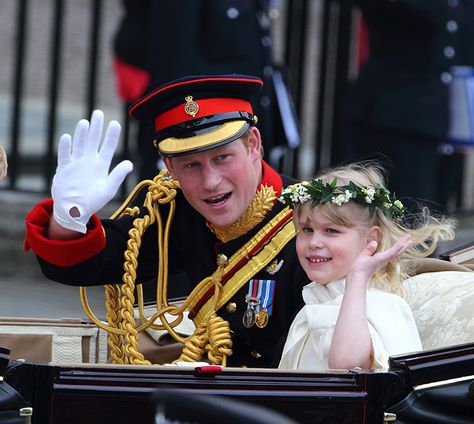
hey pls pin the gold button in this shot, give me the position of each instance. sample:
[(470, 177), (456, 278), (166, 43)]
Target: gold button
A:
[(255, 354), (231, 307), (222, 260)]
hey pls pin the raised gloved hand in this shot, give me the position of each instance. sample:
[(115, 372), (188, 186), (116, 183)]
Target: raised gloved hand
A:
[(82, 184)]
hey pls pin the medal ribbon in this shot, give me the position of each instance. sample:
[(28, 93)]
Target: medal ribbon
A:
[(264, 290)]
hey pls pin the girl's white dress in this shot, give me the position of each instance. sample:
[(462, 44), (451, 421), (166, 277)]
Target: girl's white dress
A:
[(391, 325)]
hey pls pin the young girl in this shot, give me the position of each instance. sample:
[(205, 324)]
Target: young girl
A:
[(355, 247)]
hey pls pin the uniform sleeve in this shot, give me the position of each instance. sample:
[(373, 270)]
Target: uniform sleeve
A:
[(61, 252), (97, 258)]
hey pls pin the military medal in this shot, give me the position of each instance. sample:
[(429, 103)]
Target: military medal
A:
[(261, 319), (260, 303), (248, 318), (250, 314)]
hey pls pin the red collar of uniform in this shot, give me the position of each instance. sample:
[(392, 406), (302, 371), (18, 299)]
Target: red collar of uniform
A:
[(271, 178)]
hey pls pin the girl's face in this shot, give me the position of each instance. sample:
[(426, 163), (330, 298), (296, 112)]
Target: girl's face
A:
[(326, 250)]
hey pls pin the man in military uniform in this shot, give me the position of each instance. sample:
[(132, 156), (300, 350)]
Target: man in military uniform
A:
[(227, 223)]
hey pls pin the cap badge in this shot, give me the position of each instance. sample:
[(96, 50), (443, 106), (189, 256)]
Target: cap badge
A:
[(191, 107)]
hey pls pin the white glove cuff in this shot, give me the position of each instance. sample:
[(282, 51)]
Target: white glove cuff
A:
[(65, 220)]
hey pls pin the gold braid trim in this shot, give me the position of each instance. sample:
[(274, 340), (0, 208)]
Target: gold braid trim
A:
[(194, 346), (220, 342), (126, 313), (162, 191), (213, 335), (112, 299)]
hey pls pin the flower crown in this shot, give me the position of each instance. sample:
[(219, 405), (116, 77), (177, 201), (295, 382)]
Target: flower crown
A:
[(319, 192)]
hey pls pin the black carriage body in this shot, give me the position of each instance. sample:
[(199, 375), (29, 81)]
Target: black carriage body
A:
[(123, 394)]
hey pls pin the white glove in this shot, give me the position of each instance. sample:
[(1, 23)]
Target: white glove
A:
[(82, 184)]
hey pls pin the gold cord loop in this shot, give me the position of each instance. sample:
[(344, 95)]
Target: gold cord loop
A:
[(121, 325), (212, 335)]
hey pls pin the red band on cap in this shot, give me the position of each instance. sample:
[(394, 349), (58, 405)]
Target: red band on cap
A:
[(198, 82), (206, 107)]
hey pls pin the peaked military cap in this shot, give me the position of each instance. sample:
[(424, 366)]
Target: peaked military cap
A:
[(198, 113)]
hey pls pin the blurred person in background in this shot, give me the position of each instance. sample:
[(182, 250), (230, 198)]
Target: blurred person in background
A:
[(401, 104), (157, 42)]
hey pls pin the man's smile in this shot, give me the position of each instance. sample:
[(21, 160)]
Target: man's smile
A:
[(218, 199)]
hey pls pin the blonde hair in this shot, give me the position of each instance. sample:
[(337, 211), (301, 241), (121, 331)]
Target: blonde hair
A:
[(3, 162), (426, 230)]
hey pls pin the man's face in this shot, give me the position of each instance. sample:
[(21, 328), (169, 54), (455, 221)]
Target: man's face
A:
[(220, 183)]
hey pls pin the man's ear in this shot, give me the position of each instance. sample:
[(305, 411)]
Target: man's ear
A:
[(169, 166), (374, 233), (254, 143)]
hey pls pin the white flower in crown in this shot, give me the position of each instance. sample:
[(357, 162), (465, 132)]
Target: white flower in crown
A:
[(284, 192), (369, 193), (399, 205), (297, 193), (318, 192), (342, 198), (295, 198), (303, 194)]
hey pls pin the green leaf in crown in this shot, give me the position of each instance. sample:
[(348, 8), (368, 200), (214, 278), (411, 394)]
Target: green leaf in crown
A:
[(319, 193)]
